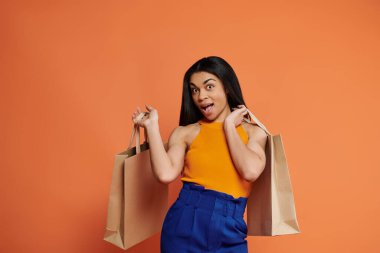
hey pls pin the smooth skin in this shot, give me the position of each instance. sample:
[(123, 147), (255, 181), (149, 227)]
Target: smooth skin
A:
[(249, 159)]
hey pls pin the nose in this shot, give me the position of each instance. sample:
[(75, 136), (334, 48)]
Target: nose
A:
[(202, 94)]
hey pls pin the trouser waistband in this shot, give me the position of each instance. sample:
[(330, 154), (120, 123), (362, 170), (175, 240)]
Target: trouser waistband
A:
[(220, 202)]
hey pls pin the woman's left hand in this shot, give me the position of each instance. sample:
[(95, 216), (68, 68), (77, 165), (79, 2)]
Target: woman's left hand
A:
[(236, 116)]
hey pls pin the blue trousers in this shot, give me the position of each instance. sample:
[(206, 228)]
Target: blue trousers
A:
[(203, 220)]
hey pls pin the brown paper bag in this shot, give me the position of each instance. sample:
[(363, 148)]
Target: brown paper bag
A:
[(138, 202), (270, 207)]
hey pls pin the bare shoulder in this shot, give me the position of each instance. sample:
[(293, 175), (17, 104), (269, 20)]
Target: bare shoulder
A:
[(253, 129), (185, 134), (177, 135), (255, 133), (190, 132)]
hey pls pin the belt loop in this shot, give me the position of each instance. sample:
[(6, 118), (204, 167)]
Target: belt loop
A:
[(186, 186), (198, 195), (188, 197), (234, 209), (239, 210), (225, 207)]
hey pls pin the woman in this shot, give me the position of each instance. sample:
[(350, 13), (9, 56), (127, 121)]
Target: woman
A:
[(218, 156)]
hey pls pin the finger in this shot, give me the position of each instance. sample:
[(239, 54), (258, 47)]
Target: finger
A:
[(135, 115), (138, 109), (140, 116), (241, 110), (243, 107)]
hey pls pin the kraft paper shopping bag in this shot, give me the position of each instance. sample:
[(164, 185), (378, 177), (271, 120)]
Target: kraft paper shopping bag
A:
[(271, 209), (138, 202)]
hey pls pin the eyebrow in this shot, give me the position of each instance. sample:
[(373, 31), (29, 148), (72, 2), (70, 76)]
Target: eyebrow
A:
[(204, 82)]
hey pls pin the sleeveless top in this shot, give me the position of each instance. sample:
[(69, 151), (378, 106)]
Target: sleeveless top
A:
[(208, 161)]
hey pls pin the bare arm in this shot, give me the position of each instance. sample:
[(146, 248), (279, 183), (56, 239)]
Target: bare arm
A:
[(166, 165), (248, 159)]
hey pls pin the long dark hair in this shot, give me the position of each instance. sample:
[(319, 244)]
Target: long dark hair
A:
[(220, 68)]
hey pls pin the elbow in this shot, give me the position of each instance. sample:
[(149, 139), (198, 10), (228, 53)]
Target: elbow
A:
[(251, 176), (166, 178), (254, 173)]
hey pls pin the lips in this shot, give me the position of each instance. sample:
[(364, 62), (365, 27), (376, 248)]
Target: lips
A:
[(207, 108)]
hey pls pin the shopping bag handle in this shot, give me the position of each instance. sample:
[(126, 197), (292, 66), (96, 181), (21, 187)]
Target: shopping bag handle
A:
[(256, 121), (136, 133)]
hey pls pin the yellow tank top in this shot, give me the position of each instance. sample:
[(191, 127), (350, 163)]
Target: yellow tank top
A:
[(208, 161)]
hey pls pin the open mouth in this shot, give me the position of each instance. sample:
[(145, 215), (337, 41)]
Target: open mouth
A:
[(208, 108)]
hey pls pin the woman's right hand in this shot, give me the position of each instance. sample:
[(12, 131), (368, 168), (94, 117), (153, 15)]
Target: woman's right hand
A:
[(145, 119)]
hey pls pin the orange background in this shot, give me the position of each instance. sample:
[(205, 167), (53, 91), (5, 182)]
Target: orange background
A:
[(73, 73)]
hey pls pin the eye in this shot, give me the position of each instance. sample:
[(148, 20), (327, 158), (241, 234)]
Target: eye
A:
[(193, 90), (210, 85)]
